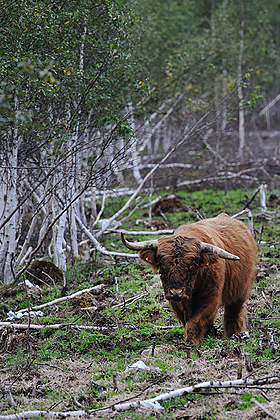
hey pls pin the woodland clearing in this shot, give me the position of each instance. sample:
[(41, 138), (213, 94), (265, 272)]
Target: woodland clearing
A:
[(76, 358), (133, 117)]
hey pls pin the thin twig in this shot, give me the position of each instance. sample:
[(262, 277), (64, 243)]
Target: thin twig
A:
[(130, 301), (52, 280), (253, 400)]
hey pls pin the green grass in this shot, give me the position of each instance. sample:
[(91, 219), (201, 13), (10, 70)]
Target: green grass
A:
[(246, 398), (137, 325)]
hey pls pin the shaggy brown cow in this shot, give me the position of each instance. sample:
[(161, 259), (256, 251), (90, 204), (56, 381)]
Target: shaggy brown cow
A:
[(203, 266)]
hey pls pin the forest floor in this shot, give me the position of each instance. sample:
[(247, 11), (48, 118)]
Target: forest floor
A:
[(85, 361)]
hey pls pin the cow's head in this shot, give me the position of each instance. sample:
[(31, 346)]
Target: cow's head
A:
[(178, 260)]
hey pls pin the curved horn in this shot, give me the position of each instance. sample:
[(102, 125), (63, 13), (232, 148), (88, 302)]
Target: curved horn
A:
[(138, 246), (219, 251)]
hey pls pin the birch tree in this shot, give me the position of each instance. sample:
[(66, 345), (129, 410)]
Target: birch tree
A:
[(88, 89), (69, 67), (239, 82), (8, 183)]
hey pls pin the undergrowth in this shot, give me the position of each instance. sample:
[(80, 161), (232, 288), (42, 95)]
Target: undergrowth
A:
[(146, 327)]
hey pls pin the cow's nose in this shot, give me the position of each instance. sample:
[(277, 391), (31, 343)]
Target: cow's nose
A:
[(175, 293)]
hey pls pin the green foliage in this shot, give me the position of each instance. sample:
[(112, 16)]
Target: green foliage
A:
[(67, 60), (195, 46), (246, 398)]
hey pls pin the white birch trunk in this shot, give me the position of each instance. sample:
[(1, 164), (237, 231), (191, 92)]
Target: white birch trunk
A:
[(133, 151), (167, 138), (8, 267), (82, 209), (3, 232), (135, 163), (263, 188), (73, 232), (239, 84), (93, 202), (53, 240), (3, 254), (59, 251), (12, 201), (83, 47), (224, 109), (121, 161), (74, 164), (45, 223)]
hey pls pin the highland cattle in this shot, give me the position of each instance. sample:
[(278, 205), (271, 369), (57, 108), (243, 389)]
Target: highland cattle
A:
[(203, 266)]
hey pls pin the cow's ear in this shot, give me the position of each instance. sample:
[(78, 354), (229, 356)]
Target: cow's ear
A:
[(149, 256), (208, 258)]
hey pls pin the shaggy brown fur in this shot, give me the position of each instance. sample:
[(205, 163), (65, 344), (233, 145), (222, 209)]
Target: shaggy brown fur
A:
[(197, 283)]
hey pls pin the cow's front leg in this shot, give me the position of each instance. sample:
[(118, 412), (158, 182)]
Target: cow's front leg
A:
[(182, 311), (205, 309), (195, 330)]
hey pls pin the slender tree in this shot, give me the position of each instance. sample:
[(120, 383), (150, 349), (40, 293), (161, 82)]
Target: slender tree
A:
[(62, 116)]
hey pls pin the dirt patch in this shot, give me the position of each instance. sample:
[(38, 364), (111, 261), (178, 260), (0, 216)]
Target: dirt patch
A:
[(45, 271)]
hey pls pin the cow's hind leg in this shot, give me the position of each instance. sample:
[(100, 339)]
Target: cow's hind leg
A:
[(235, 318)]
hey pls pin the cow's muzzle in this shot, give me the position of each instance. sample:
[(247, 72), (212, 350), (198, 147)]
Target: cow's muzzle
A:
[(176, 294)]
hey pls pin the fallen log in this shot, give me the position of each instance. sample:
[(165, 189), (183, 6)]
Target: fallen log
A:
[(154, 403), (151, 403), (63, 299), (52, 326)]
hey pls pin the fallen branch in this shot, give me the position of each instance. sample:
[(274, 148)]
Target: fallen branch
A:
[(219, 178), (151, 402), (49, 414), (130, 301), (99, 247), (249, 215), (141, 232), (64, 298), (170, 166), (154, 402), (253, 400), (52, 326), (268, 106)]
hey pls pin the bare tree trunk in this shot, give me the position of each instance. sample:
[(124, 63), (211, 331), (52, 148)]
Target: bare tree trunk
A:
[(73, 231), (9, 232), (150, 132), (167, 137), (59, 252), (134, 154), (157, 136), (3, 212), (239, 83), (224, 109)]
